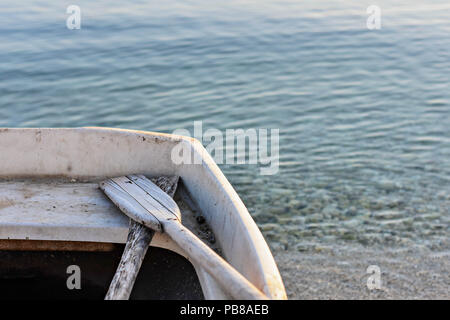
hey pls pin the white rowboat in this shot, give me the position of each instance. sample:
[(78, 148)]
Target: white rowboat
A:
[(53, 214)]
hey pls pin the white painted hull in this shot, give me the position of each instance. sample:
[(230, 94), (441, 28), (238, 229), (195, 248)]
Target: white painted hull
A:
[(95, 153)]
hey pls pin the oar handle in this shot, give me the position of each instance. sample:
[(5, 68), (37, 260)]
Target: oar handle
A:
[(228, 277), (139, 238)]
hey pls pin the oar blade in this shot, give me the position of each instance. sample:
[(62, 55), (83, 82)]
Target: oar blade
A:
[(142, 200), (156, 193), (129, 205)]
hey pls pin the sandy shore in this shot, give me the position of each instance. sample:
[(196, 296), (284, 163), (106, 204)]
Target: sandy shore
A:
[(340, 273)]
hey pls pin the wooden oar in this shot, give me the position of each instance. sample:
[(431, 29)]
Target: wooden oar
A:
[(161, 210), (138, 240)]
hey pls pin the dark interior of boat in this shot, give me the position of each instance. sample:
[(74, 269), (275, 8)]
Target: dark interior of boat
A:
[(43, 275)]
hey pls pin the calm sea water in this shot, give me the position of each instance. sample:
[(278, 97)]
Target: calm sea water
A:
[(364, 116)]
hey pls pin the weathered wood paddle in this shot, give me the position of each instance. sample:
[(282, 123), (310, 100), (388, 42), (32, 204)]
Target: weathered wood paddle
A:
[(144, 202), (138, 240)]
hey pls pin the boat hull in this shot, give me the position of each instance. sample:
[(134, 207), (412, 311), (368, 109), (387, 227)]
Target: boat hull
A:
[(91, 154)]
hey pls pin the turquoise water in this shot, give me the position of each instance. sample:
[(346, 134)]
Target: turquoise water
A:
[(364, 116)]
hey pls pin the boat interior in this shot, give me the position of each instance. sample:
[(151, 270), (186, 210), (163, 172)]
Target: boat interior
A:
[(35, 275), (37, 269)]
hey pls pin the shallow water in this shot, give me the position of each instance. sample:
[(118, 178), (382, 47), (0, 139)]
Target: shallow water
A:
[(364, 116)]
